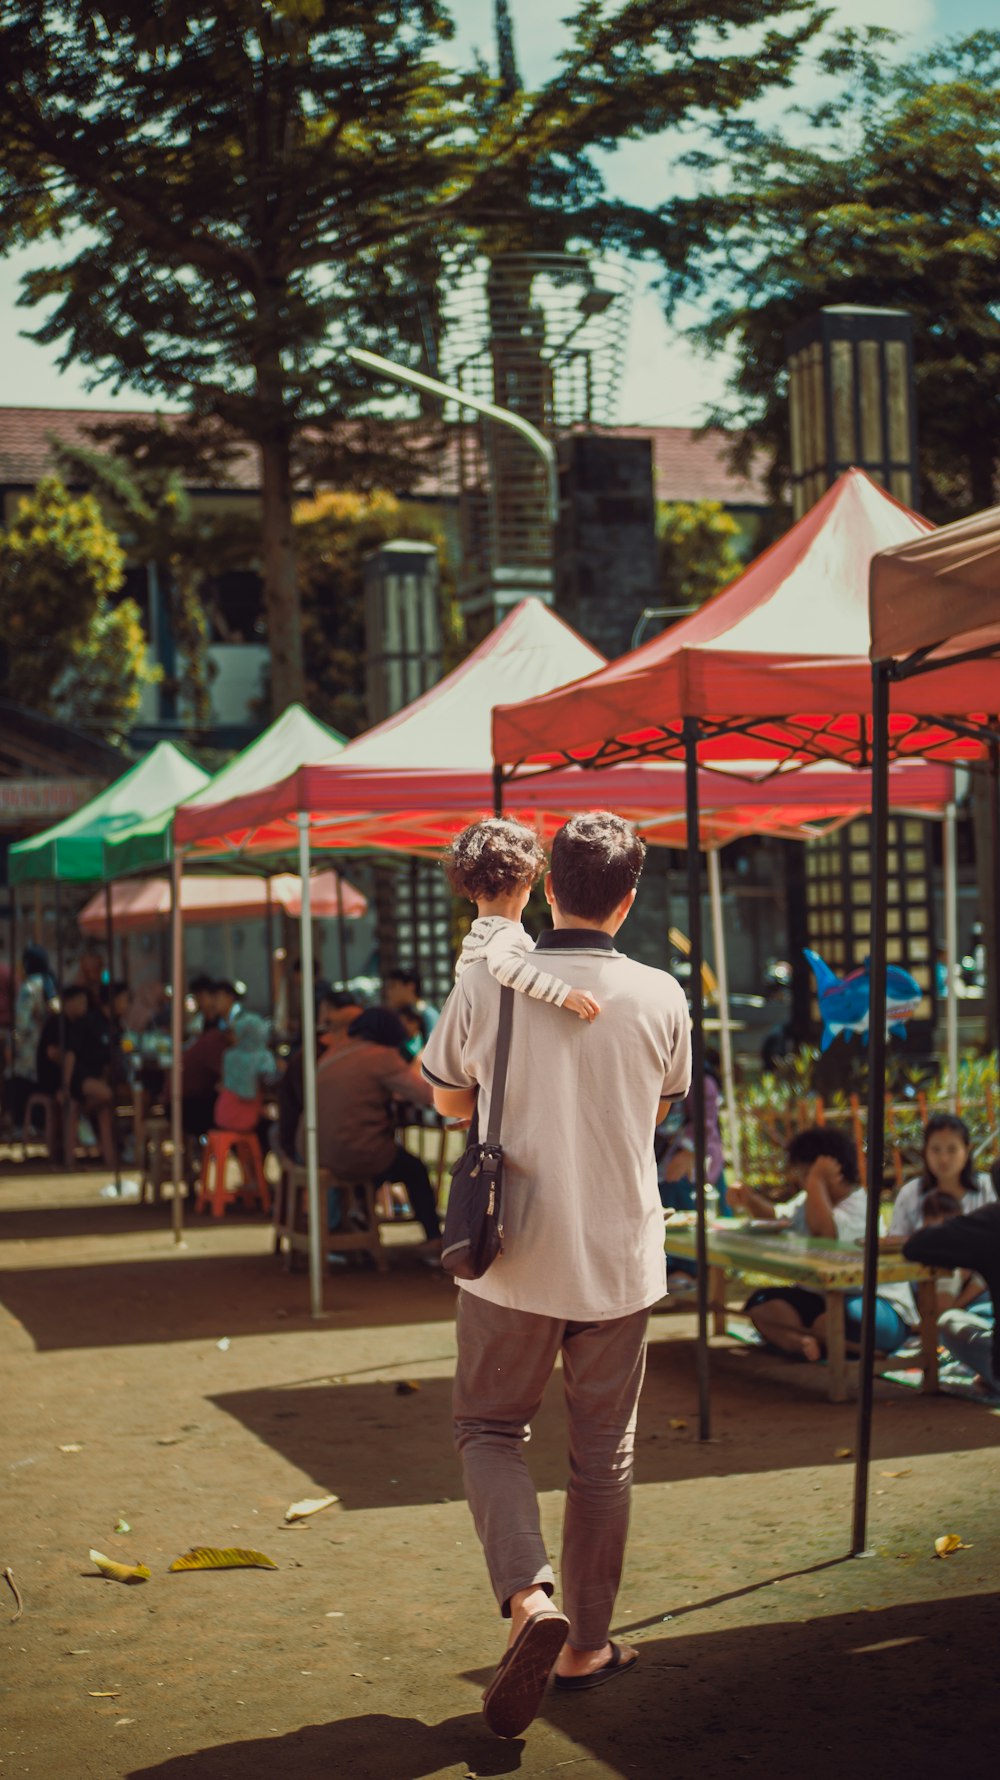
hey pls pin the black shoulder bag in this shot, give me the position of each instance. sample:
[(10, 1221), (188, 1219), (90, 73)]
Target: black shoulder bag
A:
[(473, 1222)]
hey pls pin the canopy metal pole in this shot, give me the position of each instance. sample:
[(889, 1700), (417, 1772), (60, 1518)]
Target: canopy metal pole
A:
[(498, 790), (269, 944), (109, 931), (12, 1061), (177, 1041), (69, 1126), (697, 1061), (341, 935), (951, 948), (876, 1095), (992, 925), (316, 1226), (725, 1029)]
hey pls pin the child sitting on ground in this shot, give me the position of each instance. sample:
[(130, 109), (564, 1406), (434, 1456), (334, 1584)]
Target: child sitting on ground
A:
[(246, 1065), (496, 863)]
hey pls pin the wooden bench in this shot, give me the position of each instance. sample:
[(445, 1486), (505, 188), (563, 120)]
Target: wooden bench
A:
[(834, 1269)]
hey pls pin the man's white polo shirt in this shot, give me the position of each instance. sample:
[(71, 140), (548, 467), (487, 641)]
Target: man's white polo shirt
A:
[(583, 1223)]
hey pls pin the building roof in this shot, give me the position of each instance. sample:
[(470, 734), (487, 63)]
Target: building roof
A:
[(688, 464), (26, 435)]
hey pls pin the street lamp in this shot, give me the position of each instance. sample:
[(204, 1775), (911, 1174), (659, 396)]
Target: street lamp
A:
[(449, 393)]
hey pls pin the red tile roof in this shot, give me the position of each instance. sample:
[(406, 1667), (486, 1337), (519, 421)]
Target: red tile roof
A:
[(688, 465)]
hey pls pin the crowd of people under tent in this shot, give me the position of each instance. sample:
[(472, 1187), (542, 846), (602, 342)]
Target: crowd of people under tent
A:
[(91, 1041)]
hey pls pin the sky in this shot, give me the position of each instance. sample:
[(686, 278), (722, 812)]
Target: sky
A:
[(665, 383)]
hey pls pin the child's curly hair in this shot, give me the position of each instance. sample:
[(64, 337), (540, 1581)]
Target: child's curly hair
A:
[(493, 858)]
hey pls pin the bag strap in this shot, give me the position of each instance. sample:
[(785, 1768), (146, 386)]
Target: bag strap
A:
[(500, 1066)]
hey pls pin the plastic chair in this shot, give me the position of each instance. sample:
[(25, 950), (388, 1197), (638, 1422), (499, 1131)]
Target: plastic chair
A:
[(244, 1146)]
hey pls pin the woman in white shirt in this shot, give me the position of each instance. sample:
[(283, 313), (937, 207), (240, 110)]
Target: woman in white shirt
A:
[(949, 1178)]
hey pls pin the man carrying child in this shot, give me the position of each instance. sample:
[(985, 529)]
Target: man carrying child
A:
[(583, 1228)]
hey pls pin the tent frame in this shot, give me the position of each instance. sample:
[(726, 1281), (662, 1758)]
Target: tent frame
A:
[(886, 673)]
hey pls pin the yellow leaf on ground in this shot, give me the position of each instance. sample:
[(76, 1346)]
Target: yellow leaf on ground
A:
[(104, 1693), (119, 1572), (310, 1505), (948, 1543), (209, 1557), (74, 1446), (844, 1452), (907, 1473), (676, 1423)]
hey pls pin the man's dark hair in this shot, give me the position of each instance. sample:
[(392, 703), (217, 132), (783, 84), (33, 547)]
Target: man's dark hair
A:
[(339, 998), (380, 1026), (596, 860), (815, 1141), (223, 986), (492, 858), (404, 973), (201, 985)]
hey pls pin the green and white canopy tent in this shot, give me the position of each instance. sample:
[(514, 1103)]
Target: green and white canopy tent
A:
[(75, 850)]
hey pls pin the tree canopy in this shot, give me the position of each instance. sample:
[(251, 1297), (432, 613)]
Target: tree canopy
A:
[(234, 191), (889, 196), (69, 650)]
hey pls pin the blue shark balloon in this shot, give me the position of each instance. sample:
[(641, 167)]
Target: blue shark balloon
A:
[(844, 1001)]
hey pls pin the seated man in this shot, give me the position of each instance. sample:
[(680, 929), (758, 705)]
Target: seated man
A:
[(822, 1164), (358, 1086), (336, 1011)]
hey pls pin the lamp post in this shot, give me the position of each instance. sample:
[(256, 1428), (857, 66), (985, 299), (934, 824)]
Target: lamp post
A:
[(449, 393)]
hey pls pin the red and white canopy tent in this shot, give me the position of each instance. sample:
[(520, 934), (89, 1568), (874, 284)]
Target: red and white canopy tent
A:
[(774, 667), (139, 905)]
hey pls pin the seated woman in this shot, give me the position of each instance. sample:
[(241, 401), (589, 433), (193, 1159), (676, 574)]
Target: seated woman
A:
[(357, 1088), (822, 1163), (947, 1186)]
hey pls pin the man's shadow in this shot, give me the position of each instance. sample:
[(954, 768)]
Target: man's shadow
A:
[(376, 1746)]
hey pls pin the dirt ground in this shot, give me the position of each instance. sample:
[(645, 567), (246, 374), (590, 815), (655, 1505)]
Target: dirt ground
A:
[(198, 1400)]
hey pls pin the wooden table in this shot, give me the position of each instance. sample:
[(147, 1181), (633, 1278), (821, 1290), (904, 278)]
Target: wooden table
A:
[(782, 1257)]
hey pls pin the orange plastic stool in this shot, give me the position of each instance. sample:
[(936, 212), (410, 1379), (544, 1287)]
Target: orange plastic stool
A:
[(245, 1146)]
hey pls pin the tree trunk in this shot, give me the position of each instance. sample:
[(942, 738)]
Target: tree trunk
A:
[(281, 587)]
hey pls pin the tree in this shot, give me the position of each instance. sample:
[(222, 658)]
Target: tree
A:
[(146, 492), (241, 189), (68, 650), (334, 534), (699, 550), (890, 197)]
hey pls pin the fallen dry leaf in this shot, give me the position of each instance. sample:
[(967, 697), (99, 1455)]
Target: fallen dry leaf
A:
[(677, 1423), (210, 1557), (407, 1387), (948, 1543), (907, 1473), (310, 1505), (119, 1572), (104, 1693), (168, 1439), (122, 1526), (74, 1446), (844, 1452)]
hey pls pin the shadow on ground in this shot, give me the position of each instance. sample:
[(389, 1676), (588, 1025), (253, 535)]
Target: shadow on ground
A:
[(898, 1690), (187, 1297), (360, 1431)]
